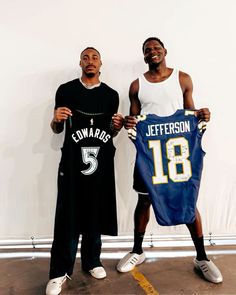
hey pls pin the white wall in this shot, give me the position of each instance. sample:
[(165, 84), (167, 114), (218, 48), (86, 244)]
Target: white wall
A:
[(40, 46)]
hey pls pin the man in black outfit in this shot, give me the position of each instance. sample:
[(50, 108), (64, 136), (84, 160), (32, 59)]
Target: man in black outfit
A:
[(86, 203)]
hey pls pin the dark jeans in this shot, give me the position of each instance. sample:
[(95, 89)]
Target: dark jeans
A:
[(63, 254)]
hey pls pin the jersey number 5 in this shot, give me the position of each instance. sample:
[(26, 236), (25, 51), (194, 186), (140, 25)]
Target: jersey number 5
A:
[(177, 153), (89, 156)]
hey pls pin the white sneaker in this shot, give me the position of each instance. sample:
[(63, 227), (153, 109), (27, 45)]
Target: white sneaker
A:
[(98, 272), (54, 286), (129, 261), (209, 270)]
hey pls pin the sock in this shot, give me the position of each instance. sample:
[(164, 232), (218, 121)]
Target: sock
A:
[(199, 245), (138, 240)]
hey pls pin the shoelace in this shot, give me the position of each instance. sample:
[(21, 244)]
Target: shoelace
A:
[(68, 277)]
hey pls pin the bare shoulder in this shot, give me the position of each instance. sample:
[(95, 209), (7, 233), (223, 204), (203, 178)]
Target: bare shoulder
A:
[(134, 88), (185, 80), (184, 76)]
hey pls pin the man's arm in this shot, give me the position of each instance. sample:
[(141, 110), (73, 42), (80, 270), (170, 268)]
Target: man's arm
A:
[(117, 123), (60, 115), (187, 89), (135, 106)]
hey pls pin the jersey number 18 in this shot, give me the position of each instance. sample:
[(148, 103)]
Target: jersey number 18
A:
[(177, 153)]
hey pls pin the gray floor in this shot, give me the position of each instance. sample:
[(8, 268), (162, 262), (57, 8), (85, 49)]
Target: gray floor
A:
[(155, 276)]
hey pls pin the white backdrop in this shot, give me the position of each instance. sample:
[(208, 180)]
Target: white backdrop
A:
[(40, 46)]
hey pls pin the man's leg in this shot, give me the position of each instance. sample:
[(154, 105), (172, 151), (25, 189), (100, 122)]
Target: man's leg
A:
[(90, 255), (202, 263), (90, 251), (195, 229), (63, 254), (141, 219)]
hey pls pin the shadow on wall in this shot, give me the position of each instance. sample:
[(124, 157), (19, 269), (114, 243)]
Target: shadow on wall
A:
[(31, 155), (49, 147), (32, 182)]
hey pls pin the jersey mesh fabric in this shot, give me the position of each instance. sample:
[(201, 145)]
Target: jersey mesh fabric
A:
[(86, 185), (169, 162)]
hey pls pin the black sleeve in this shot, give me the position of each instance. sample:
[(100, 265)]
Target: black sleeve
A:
[(116, 103), (59, 99)]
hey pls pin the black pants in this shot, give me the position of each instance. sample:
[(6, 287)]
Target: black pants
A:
[(63, 254)]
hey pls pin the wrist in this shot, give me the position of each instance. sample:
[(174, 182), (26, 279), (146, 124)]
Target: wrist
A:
[(57, 127), (56, 121), (115, 129)]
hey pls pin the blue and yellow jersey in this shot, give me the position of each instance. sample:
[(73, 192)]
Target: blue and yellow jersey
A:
[(169, 161)]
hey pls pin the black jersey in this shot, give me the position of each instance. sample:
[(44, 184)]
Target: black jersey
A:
[(86, 186)]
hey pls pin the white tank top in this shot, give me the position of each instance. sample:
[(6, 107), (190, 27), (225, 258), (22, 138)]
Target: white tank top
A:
[(161, 98)]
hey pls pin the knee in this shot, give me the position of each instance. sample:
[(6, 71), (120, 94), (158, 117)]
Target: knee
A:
[(144, 202)]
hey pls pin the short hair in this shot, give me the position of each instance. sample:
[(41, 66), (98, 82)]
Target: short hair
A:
[(92, 49), (153, 38)]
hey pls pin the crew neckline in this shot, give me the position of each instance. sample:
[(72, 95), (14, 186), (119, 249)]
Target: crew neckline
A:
[(88, 86)]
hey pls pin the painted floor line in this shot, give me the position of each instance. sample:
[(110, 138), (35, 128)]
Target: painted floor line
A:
[(143, 282)]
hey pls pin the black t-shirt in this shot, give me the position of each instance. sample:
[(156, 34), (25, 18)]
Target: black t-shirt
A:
[(75, 96)]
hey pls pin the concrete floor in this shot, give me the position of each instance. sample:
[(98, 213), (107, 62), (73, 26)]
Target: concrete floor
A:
[(172, 276)]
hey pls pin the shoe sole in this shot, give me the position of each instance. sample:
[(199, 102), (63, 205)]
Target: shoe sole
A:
[(100, 278)]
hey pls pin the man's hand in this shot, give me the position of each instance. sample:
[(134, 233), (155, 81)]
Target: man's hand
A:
[(203, 114), (117, 121), (130, 122), (61, 114)]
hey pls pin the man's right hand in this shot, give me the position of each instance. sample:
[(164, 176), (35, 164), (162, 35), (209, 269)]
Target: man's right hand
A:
[(130, 122), (61, 114)]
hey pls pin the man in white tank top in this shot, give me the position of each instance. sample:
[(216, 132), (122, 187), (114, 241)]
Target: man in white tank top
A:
[(162, 91)]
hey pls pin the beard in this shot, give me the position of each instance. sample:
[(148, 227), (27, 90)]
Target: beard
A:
[(90, 75), (153, 66)]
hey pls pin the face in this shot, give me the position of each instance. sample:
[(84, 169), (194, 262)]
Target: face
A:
[(154, 53), (90, 62)]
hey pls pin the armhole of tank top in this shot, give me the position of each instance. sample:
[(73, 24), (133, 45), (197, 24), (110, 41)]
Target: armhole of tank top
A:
[(139, 86), (177, 73)]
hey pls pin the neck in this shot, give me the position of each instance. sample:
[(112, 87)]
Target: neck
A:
[(90, 81), (158, 69), (158, 73)]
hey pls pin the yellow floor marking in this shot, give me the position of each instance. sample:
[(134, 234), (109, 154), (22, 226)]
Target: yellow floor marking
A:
[(143, 282)]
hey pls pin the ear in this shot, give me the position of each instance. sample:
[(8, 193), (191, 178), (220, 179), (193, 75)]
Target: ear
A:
[(145, 59), (165, 52), (80, 63)]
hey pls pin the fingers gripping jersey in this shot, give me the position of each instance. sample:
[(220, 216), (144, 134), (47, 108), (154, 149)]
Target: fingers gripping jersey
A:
[(169, 160)]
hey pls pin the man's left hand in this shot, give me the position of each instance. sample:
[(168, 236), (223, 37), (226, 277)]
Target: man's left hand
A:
[(204, 114), (117, 121)]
